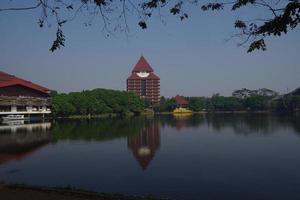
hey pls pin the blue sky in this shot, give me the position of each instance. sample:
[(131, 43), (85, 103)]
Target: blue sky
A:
[(191, 57)]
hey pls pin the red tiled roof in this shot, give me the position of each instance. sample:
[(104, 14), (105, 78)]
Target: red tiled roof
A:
[(142, 65), (152, 76), (10, 80), (180, 100)]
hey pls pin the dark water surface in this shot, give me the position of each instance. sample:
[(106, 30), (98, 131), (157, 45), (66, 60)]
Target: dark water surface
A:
[(199, 157)]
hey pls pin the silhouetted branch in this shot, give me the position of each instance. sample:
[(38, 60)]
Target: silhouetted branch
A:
[(283, 15), (21, 8)]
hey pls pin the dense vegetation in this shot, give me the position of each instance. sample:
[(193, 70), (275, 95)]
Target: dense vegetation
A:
[(288, 103), (94, 102), (104, 101), (241, 100)]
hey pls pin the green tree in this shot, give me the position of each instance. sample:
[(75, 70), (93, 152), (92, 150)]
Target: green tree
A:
[(246, 93), (221, 103), (167, 105), (255, 99), (256, 103), (162, 100), (97, 101), (197, 103), (287, 103), (61, 105)]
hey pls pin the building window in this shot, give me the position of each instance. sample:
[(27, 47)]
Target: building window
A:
[(21, 108), (5, 108), (143, 87)]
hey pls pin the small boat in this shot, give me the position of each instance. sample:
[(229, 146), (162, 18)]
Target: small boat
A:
[(14, 117), (182, 111), (14, 122)]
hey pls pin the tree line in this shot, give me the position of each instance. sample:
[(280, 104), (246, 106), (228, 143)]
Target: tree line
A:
[(241, 100), (105, 101), (95, 102)]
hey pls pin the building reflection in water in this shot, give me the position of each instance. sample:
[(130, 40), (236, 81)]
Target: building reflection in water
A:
[(182, 120), (145, 144), (18, 140)]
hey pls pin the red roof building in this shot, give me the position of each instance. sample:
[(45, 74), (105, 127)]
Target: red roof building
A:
[(10, 81), (144, 81), (142, 65), (19, 96), (181, 101)]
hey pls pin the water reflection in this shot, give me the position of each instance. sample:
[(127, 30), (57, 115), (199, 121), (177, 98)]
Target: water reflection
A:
[(145, 144), (181, 122), (143, 133), (19, 140), (211, 156), (98, 129), (247, 124), (242, 124)]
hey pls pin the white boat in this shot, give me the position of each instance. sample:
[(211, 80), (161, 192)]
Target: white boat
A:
[(14, 117)]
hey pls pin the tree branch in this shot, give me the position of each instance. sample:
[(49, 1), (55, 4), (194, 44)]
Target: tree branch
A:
[(24, 8)]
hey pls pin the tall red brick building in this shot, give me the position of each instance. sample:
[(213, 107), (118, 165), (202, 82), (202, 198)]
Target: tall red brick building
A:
[(144, 82)]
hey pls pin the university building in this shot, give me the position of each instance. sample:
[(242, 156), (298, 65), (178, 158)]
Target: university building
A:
[(18, 96), (144, 82)]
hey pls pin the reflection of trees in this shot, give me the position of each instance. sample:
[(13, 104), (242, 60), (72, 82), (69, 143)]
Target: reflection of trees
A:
[(143, 133), (290, 121), (251, 123), (97, 129), (240, 123), (182, 121), (243, 123), (145, 144), (296, 123), (18, 141)]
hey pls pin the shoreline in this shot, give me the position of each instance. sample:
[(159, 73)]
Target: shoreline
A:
[(27, 192), (114, 115)]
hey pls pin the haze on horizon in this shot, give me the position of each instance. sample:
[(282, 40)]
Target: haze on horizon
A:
[(191, 57)]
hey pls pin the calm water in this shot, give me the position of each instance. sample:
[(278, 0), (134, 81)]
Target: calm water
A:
[(200, 157)]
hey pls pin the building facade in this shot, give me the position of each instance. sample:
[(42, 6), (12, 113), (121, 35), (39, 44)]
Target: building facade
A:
[(144, 82), (18, 96)]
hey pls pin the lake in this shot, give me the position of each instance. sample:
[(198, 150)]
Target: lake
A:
[(220, 156)]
